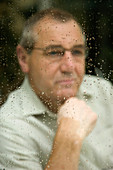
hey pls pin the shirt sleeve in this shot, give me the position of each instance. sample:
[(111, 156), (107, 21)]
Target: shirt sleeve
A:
[(17, 150)]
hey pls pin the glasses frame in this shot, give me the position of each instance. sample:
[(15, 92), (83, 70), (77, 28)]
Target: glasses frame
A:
[(86, 49)]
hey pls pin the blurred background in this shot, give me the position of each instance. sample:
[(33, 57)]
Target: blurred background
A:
[(96, 17)]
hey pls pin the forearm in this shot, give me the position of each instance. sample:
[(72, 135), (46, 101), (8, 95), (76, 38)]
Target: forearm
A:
[(66, 149), (76, 120)]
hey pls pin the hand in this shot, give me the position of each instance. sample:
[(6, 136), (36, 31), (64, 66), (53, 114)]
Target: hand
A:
[(78, 117)]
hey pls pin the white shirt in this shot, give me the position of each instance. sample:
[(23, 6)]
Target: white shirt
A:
[(27, 128)]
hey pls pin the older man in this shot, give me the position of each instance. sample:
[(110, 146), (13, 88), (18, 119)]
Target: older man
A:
[(47, 123)]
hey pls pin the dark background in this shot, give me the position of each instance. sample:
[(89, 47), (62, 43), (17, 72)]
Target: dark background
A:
[(96, 17)]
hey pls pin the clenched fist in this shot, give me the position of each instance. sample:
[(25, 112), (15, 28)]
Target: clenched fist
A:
[(76, 118)]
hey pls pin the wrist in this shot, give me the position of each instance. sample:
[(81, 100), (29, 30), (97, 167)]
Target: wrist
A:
[(68, 132)]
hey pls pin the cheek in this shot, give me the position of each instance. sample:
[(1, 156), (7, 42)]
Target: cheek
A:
[(51, 69), (40, 67), (80, 69), (37, 70), (46, 73)]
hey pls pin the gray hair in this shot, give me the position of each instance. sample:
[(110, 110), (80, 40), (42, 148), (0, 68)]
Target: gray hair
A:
[(28, 38)]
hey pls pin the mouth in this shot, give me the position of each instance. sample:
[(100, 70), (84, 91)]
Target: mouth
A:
[(66, 82)]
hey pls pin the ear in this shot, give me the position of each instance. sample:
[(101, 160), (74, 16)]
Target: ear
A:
[(23, 58)]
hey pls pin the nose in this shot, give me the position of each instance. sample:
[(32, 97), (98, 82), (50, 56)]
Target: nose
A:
[(67, 64)]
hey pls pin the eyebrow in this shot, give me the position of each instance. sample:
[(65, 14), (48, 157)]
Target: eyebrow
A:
[(60, 46), (79, 46), (53, 46)]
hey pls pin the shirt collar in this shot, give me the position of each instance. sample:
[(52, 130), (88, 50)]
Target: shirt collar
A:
[(32, 105), (87, 88)]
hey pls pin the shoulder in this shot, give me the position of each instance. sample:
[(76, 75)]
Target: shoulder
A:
[(13, 105), (94, 83), (96, 88), (13, 122), (96, 80)]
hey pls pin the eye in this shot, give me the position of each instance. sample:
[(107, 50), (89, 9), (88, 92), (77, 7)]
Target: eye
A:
[(77, 52), (55, 53)]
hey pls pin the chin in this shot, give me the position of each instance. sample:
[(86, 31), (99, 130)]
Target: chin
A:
[(66, 95)]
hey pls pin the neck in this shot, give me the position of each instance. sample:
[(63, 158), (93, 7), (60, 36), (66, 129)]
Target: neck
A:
[(52, 104)]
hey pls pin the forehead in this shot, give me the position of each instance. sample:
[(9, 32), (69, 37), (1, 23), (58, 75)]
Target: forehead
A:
[(51, 31)]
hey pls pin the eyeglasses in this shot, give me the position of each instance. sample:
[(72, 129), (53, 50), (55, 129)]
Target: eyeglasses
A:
[(54, 51)]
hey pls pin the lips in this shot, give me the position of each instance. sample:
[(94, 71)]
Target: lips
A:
[(66, 82)]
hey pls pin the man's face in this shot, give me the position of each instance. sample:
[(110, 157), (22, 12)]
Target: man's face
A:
[(53, 71)]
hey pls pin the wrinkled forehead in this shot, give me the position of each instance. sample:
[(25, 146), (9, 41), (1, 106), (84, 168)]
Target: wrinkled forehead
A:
[(49, 30)]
